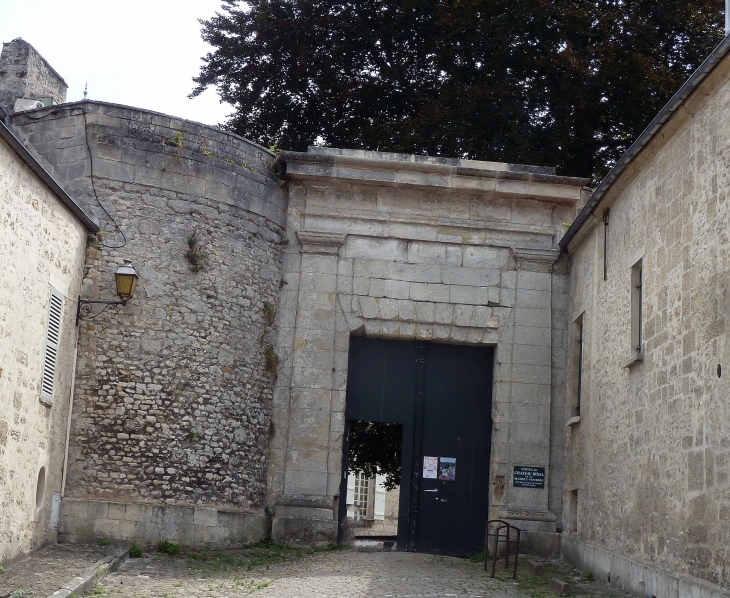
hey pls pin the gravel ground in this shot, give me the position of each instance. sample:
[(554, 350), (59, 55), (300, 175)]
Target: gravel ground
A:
[(42, 573), (347, 573)]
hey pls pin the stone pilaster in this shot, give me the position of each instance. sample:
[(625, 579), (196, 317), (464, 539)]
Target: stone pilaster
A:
[(528, 376), (304, 513)]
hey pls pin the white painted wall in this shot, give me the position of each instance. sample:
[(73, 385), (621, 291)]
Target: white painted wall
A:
[(42, 245)]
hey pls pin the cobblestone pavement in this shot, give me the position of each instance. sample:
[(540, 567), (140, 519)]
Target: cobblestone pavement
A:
[(42, 573), (338, 574)]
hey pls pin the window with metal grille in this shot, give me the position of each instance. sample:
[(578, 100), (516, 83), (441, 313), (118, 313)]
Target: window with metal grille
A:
[(53, 334)]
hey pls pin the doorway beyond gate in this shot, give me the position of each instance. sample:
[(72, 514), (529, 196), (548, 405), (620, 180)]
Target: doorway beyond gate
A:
[(441, 394)]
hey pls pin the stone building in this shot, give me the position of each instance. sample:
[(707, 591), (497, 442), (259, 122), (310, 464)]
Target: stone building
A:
[(647, 452), (26, 78), (42, 238), (218, 394), (431, 250), (215, 407)]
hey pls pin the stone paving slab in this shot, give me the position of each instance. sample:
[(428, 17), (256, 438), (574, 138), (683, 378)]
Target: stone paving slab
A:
[(337, 574), (42, 573)]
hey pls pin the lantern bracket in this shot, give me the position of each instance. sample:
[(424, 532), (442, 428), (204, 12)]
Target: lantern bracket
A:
[(85, 307)]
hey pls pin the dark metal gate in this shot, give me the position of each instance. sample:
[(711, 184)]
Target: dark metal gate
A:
[(441, 394)]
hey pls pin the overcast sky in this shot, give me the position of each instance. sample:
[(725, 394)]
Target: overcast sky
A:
[(141, 53)]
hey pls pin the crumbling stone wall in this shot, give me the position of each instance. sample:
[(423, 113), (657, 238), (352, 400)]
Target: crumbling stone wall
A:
[(24, 73), (650, 457), (173, 393)]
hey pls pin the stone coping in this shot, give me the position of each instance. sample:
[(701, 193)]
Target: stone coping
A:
[(424, 159), (357, 159), (25, 116)]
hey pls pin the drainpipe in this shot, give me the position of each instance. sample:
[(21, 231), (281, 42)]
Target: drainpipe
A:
[(727, 17), (70, 411)]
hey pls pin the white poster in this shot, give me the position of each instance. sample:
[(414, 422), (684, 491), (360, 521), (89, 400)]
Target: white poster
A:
[(430, 468)]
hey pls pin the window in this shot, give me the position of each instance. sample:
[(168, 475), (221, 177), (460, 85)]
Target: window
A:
[(573, 523), (53, 335), (636, 309), (362, 490), (577, 364)]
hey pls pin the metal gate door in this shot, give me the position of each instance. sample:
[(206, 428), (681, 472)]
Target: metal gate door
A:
[(441, 394), (456, 430)]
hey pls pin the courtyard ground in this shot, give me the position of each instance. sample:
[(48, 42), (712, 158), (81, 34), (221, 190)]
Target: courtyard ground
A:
[(268, 571)]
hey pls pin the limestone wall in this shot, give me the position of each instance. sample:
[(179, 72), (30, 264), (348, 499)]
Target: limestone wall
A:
[(41, 246), (420, 248), (650, 457), (24, 73), (173, 395)]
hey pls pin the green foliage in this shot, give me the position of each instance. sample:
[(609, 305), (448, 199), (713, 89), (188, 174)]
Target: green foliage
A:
[(167, 547), (198, 252), (2, 569), (104, 542), (260, 555), (177, 141), (97, 590), (375, 447), (135, 551), (567, 84)]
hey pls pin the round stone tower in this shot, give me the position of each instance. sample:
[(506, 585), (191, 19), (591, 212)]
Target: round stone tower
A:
[(173, 398)]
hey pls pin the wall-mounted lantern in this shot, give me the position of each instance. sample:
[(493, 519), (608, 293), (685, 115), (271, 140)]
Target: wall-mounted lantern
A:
[(126, 279)]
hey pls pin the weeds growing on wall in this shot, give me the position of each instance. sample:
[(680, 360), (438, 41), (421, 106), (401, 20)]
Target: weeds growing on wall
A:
[(272, 360), (198, 252), (278, 172), (177, 141), (269, 313)]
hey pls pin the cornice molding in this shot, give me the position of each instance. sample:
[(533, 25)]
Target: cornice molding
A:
[(529, 258), (320, 241)]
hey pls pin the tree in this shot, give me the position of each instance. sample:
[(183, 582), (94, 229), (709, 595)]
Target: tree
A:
[(566, 83), (375, 447)]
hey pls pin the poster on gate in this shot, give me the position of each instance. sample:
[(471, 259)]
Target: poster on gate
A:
[(447, 469), (430, 468)]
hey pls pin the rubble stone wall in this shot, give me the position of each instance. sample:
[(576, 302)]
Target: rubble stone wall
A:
[(173, 392)]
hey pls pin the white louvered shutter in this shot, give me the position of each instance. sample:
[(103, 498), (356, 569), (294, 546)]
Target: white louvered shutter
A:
[(379, 507), (53, 334)]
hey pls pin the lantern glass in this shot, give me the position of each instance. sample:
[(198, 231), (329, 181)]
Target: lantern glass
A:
[(126, 281)]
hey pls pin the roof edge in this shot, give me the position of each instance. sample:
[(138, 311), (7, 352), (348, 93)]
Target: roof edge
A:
[(7, 135), (366, 162), (646, 136)]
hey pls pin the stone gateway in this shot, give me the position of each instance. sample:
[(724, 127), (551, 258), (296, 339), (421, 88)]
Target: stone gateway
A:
[(282, 298)]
